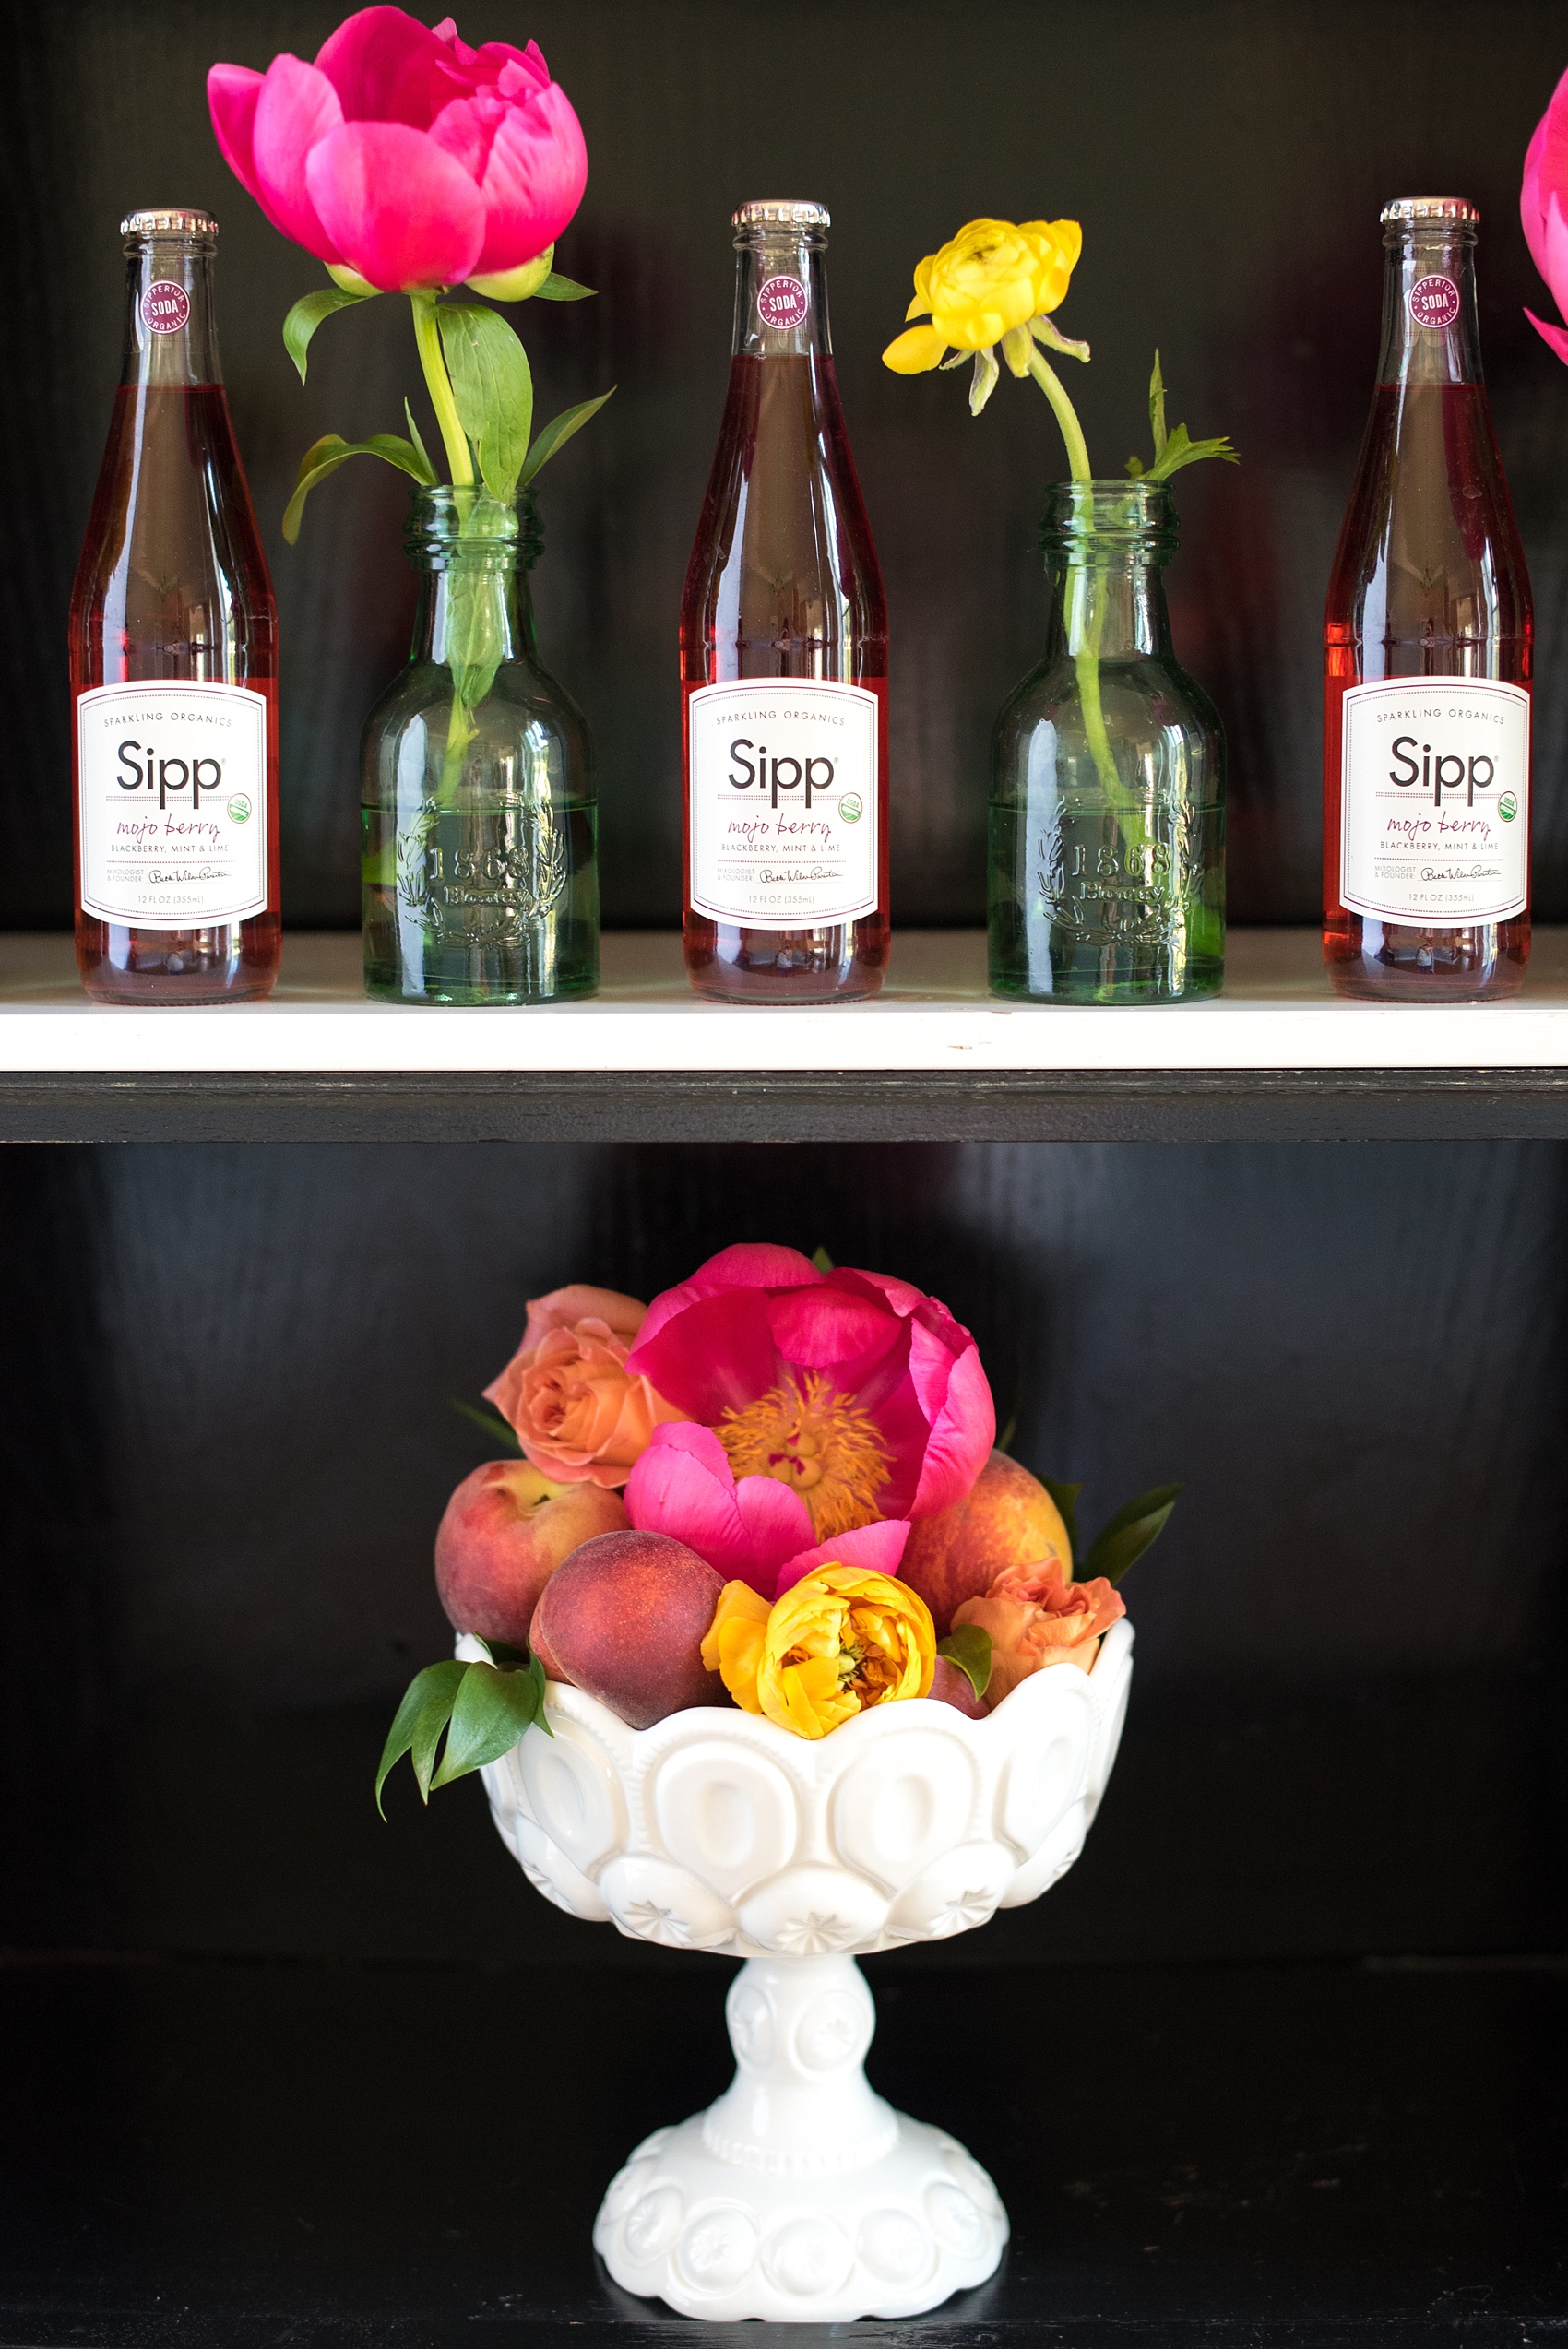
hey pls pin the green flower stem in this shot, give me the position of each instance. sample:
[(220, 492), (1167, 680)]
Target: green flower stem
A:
[(427, 336), (1085, 659), (460, 732), (1066, 415), (459, 458)]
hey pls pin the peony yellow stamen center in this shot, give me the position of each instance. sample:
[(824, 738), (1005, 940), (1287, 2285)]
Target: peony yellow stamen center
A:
[(817, 1440)]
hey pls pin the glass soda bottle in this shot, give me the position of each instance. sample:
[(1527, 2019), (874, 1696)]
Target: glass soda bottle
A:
[(174, 660), (784, 658), (1427, 656)]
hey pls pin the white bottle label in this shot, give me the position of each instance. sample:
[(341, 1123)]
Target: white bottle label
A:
[(782, 777), (172, 796), (1435, 800)]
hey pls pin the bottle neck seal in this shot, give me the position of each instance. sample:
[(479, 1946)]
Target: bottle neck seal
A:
[(171, 339), (781, 293), (1429, 334)]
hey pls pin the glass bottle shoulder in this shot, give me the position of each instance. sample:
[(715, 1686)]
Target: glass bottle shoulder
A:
[(783, 560), (526, 712), (1152, 712), (1153, 685), (1428, 556), (172, 579)]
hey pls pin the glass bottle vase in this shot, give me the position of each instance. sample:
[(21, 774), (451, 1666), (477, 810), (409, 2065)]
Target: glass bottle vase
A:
[(1107, 823), (480, 822)]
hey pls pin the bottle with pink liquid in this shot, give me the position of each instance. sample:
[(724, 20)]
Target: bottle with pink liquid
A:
[(1427, 656), (784, 658), (174, 659)]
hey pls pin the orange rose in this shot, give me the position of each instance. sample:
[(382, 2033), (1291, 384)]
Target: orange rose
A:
[(1036, 1616), (579, 1416)]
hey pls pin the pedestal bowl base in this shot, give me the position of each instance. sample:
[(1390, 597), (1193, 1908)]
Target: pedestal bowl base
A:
[(801, 2195)]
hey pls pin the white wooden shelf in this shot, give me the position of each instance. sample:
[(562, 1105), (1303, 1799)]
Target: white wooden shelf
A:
[(1278, 1054), (1276, 1012)]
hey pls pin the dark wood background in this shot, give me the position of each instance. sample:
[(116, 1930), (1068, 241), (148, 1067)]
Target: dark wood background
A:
[(226, 1431), (1228, 161), (242, 2019), (227, 1442)]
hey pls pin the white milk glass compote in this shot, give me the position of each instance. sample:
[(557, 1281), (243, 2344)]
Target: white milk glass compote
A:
[(801, 2194)]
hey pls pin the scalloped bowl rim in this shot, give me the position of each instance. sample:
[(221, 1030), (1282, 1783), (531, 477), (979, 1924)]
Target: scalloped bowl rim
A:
[(897, 1719)]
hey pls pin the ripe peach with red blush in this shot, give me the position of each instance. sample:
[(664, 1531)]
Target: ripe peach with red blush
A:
[(952, 1685), (1007, 1518), (505, 1531), (625, 1618)]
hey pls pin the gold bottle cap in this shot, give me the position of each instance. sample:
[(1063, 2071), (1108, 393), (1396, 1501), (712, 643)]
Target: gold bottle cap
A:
[(176, 223), (1429, 207), (781, 212)]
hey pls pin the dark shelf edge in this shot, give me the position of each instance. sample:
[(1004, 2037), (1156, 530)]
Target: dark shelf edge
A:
[(1159, 1105)]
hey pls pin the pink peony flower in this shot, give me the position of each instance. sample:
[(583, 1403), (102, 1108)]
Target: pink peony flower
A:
[(758, 1531), (1543, 207), (581, 1416), (1036, 1615), (403, 155), (864, 1396)]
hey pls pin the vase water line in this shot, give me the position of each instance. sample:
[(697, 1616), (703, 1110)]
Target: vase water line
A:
[(800, 2196)]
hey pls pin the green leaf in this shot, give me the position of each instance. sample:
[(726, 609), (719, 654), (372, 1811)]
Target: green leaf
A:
[(1003, 1441), (1178, 451), (1066, 1500), (434, 1688), (560, 430), (1135, 467), (432, 1720), (500, 1652), (558, 289), (969, 1646), (493, 390), (324, 456), (475, 644), (307, 315), (418, 444), (491, 1421), (493, 1710), (822, 1260), (1157, 408), (535, 1674), (1124, 1541)]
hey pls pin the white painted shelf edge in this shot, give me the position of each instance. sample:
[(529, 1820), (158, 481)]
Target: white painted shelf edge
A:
[(1276, 1012)]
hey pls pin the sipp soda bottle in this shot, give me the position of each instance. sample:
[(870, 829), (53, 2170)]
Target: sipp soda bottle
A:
[(784, 658), (174, 653), (1426, 655)]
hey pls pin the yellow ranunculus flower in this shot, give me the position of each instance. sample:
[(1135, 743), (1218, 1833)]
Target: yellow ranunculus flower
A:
[(991, 277), (841, 1639), (733, 1646)]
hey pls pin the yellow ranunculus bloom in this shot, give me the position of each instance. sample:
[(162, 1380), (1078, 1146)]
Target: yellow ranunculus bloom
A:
[(841, 1639), (994, 276), (733, 1646)]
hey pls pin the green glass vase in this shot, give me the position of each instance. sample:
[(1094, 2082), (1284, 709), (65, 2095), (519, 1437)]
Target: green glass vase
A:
[(1106, 820), (480, 824)]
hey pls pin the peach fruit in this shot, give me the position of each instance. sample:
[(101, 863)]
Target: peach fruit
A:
[(626, 1617), (505, 1531), (952, 1685), (1007, 1518)]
